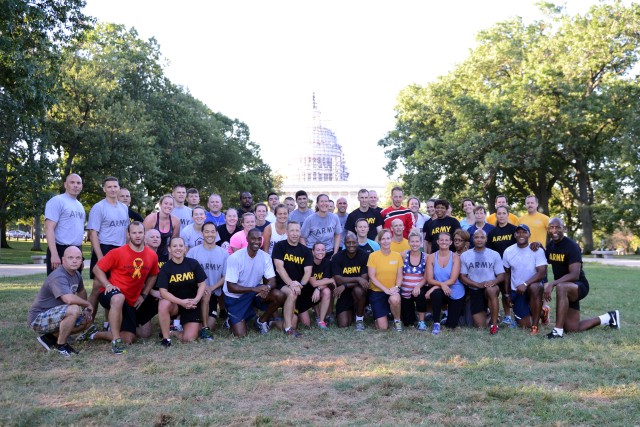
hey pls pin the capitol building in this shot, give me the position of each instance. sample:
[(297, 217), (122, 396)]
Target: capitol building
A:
[(321, 167)]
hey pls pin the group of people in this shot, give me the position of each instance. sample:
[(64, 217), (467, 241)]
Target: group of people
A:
[(272, 265)]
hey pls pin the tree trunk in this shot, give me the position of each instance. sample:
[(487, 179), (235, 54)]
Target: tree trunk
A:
[(37, 231), (585, 211), (3, 238)]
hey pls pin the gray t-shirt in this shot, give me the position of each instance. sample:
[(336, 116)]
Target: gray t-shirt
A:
[(213, 261), (300, 217), (57, 284), (321, 229), (247, 271), (110, 222), (522, 262), (481, 266), (184, 214), (191, 237), (343, 221), (68, 214)]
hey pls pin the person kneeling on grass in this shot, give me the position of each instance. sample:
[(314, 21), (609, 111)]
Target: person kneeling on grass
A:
[(565, 257), (134, 269), (524, 271), (182, 285), (61, 308), (385, 276), (318, 290), (243, 288)]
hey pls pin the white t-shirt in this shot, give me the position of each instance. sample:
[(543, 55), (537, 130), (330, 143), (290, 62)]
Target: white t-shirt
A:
[(247, 271), (522, 262)]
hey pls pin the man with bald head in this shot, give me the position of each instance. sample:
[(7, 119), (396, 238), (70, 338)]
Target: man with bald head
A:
[(64, 219), (215, 214), (124, 197), (342, 214), (61, 308), (565, 257)]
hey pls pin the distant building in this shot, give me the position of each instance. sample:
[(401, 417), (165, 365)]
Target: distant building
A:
[(321, 167)]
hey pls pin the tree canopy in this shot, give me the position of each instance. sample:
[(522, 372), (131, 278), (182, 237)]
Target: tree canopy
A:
[(94, 100), (547, 108)]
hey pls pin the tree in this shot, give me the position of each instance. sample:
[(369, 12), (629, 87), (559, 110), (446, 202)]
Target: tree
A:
[(534, 107), (31, 35)]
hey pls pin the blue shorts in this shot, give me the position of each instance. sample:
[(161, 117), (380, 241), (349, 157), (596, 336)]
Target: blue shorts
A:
[(242, 308), (521, 307), (379, 304)]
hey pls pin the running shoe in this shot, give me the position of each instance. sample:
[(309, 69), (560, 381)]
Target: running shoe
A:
[(397, 325), (329, 319), (359, 325), (86, 335), (435, 330), (428, 317), (176, 328), (293, 333), (493, 329), (553, 335), (323, 325), (205, 334), (118, 347), (533, 330), (165, 343), (544, 315), (614, 322), (509, 321), (368, 311), (262, 327), (421, 325), (48, 341), (226, 324), (63, 351)]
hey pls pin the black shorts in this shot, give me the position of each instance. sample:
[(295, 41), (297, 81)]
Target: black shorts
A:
[(345, 302), (583, 291), (304, 302), (213, 306), (128, 312), (147, 311), (478, 302), (189, 315), (94, 258), (60, 249)]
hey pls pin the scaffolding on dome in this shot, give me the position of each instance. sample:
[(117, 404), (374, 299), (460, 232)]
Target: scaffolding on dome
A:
[(323, 159)]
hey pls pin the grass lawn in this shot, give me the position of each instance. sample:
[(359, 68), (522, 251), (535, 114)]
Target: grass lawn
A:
[(20, 252), (466, 377)]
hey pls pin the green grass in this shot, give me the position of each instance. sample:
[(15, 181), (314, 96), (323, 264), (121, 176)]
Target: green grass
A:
[(335, 378), (20, 252)]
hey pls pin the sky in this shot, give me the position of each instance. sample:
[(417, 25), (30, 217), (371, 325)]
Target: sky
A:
[(262, 61)]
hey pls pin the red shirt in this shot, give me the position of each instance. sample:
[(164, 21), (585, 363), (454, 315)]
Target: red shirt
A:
[(391, 213), (129, 270)]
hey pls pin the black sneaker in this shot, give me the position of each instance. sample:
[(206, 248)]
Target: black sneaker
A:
[(165, 342), (65, 350), (553, 335), (48, 341), (614, 321), (293, 333)]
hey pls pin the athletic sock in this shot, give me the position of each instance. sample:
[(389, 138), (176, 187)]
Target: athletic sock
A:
[(176, 322), (559, 331), (92, 336), (105, 326), (287, 329), (605, 319), (359, 318)]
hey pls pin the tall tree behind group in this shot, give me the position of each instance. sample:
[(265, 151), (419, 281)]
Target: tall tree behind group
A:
[(534, 107), (31, 37)]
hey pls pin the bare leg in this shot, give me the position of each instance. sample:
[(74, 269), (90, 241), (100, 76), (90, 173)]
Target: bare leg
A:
[(394, 303), (494, 305)]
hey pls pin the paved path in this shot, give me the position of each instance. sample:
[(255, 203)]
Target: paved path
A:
[(614, 261), (12, 270)]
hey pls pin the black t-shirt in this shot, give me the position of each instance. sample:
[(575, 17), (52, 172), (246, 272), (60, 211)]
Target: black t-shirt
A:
[(225, 236), (322, 271), (436, 226), (181, 280), (134, 216), (367, 248), (500, 238), (295, 259), (373, 219), (342, 265), (562, 254)]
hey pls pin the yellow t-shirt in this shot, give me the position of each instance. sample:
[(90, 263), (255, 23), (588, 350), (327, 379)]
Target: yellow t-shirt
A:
[(400, 246), (386, 268), (491, 219), (538, 224)]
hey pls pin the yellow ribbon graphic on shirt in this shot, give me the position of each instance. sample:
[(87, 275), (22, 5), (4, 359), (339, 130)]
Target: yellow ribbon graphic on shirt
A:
[(137, 265)]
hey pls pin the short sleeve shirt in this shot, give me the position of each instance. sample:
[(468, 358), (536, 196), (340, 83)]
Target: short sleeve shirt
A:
[(294, 258), (181, 280), (213, 261), (481, 266), (561, 255), (436, 226), (247, 271), (523, 263), (69, 216), (110, 221), (321, 229), (57, 284), (387, 267)]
